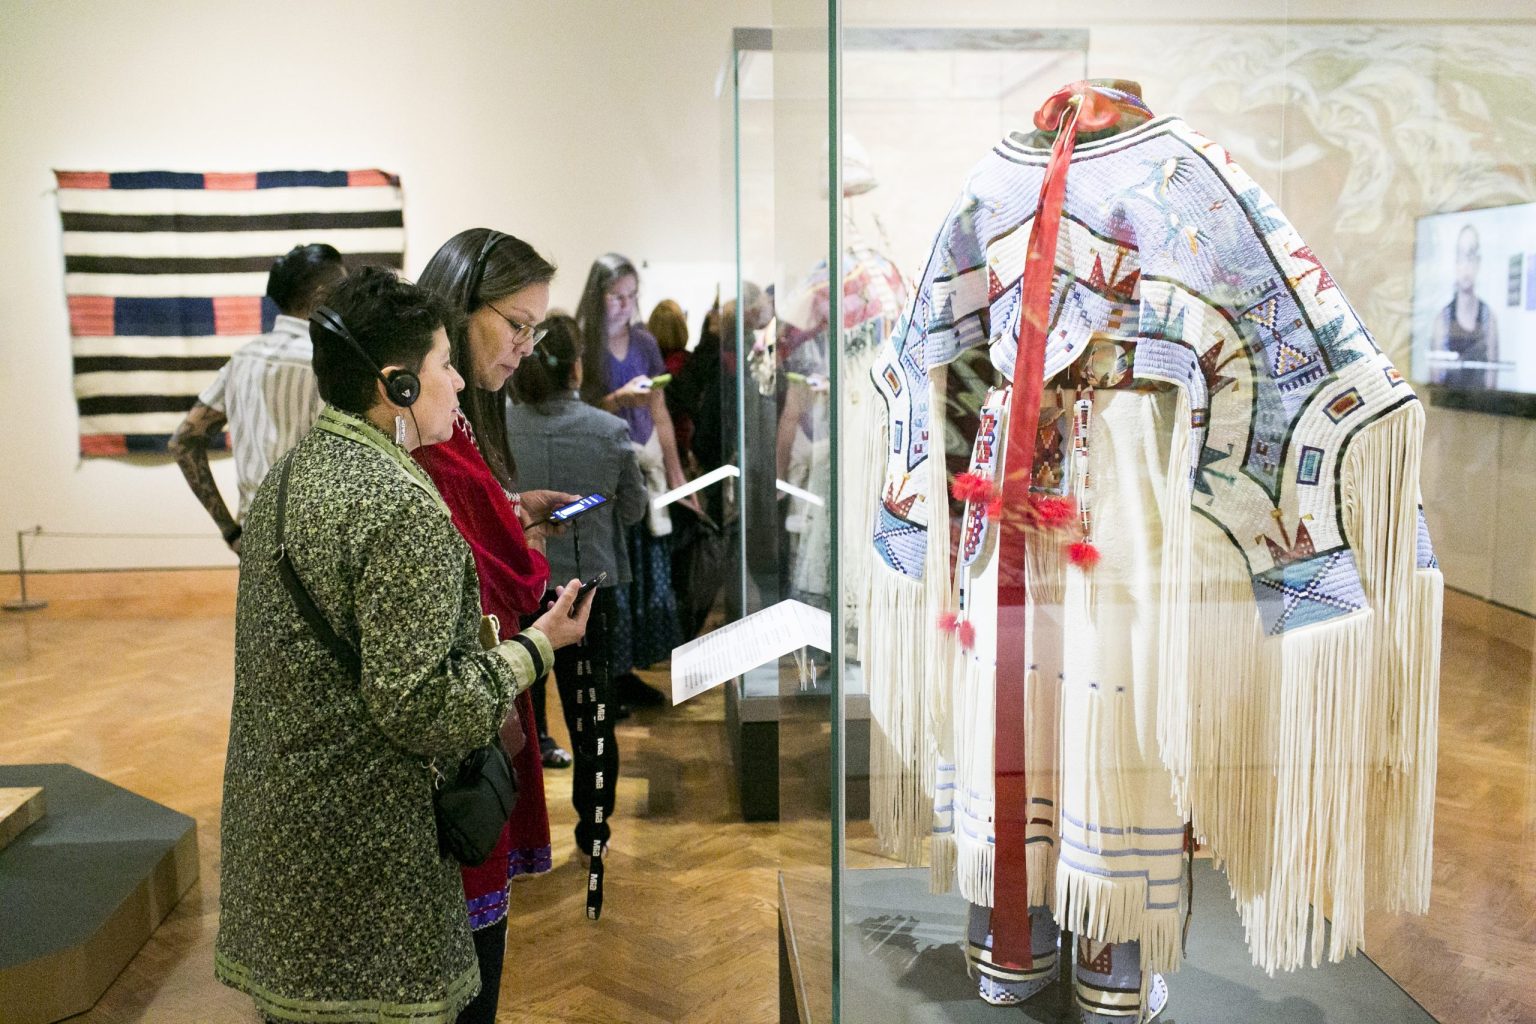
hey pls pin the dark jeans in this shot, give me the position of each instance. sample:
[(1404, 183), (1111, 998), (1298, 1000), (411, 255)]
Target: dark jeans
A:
[(581, 673), (490, 950)]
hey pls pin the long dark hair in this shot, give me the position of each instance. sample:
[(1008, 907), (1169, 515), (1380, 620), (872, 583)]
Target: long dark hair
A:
[(547, 373), (592, 318), (472, 268)]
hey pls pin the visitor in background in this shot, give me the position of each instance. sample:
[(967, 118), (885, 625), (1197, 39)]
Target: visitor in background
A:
[(706, 388), (706, 391), (670, 328), (619, 360), (266, 393), (498, 287), (335, 899), (560, 442)]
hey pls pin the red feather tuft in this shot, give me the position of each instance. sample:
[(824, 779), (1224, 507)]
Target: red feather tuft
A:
[(1054, 513), (970, 487), (995, 507), (948, 621), (966, 634), (1083, 555)]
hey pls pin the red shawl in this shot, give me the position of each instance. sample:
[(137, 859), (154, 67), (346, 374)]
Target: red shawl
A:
[(513, 579)]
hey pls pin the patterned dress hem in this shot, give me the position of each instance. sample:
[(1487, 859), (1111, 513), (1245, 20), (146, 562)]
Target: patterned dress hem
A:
[(350, 1011), (528, 862)]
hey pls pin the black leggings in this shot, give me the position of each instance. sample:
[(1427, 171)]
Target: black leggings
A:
[(490, 950)]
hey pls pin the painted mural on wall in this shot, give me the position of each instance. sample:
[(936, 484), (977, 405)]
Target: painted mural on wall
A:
[(1356, 131)]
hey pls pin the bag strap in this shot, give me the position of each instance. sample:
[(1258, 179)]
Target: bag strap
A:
[(308, 610)]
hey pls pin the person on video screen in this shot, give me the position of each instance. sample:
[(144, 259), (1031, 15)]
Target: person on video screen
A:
[(1466, 325)]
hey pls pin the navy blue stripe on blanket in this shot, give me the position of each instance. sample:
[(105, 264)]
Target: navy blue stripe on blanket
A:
[(155, 179), (174, 318), (302, 179)]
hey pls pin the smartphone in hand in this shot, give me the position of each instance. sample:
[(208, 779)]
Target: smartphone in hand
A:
[(585, 592), (566, 513)]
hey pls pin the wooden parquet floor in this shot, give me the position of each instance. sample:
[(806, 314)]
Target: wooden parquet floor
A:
[(128, 676)]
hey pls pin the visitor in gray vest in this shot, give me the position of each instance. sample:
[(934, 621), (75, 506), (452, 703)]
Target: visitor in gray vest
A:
[(561, 443)]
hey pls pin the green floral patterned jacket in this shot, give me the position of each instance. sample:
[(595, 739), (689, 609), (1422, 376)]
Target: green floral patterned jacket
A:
[(335, 905)]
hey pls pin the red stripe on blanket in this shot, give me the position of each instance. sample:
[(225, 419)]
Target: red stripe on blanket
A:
[(231, 181), (237, 314), (103, 444), (92, 316), (370, 178), (83, 179)]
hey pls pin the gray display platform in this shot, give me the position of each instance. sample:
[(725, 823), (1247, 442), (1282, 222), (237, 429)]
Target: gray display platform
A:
[(904, 963), (82, 889)]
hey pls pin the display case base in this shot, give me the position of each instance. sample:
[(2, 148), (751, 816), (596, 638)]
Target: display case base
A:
[(21, 807), (903, 964), (778, 736), (82, 889)]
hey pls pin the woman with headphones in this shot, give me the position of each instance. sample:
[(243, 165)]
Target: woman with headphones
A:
[(358, 670), (499, 288)]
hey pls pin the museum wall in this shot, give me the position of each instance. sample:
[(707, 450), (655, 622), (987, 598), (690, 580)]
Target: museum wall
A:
[(581, 126)]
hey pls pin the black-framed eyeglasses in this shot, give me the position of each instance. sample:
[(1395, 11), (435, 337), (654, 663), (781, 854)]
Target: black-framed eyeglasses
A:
[(536, 333)]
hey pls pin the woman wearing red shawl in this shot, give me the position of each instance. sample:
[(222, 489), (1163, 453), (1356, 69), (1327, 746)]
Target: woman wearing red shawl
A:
[(500, 286)]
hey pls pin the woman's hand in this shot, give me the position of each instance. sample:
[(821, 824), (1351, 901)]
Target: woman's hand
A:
[(636, 392), (558, 624), (539, 504)]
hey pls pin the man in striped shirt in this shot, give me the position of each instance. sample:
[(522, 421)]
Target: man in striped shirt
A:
[(266, 393)]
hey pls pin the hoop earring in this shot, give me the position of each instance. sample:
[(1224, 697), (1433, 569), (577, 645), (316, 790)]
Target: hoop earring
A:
[(400, 430)]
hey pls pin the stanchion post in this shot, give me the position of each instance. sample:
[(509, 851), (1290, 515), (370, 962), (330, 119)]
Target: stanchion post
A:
[(24, 603)]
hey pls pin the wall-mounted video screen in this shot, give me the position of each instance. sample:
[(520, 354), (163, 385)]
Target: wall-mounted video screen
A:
[(1474, 300)]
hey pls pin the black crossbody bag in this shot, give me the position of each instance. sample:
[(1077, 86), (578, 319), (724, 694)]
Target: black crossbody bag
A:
[(473, 804)]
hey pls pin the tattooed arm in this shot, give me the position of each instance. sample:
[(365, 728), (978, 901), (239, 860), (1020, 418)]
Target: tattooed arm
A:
[(190, 447)]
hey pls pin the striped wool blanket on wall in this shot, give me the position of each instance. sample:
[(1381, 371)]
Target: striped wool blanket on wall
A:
[(166, 274)]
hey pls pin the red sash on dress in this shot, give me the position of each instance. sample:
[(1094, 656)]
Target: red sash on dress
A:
[(1074, 107)]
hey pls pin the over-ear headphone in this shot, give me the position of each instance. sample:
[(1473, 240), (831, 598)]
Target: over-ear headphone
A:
[(477, 270), (402, 386)]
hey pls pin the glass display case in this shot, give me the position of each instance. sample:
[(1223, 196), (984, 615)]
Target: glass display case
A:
[(1138, 705), (778, 714)]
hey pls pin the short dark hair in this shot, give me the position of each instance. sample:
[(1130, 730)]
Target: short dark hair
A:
[(301, 277), (510, 265), (392, 319), (547, 372)]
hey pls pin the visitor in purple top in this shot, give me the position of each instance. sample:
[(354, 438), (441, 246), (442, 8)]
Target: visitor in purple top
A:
[(621, 359), (640, 362)]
